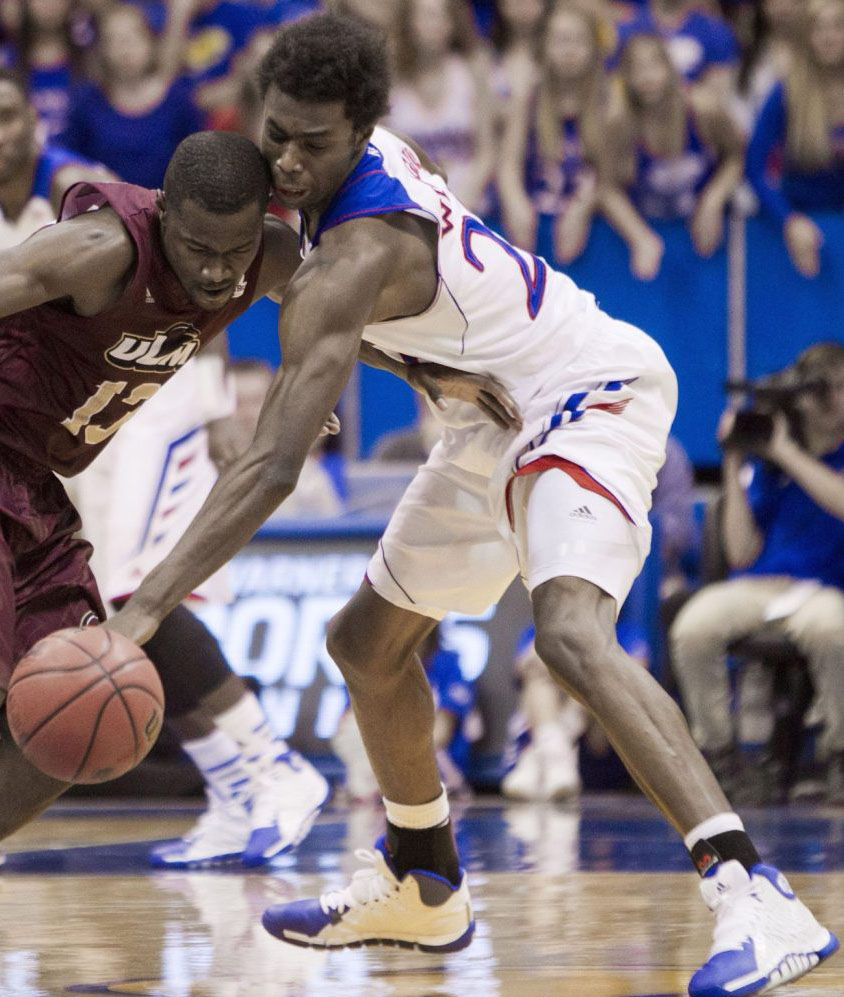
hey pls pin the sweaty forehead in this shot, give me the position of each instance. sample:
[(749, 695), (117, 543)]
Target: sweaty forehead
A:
[(195, 221), (303, 118)]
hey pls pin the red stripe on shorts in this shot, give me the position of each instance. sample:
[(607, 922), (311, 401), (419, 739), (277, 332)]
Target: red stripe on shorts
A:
[(579, 474)]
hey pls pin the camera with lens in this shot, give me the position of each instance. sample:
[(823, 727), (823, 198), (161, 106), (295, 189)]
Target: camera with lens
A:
[(764, 398)]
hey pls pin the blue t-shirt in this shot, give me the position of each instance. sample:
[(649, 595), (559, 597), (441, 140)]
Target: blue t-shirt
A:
[(552, 185), (217, 35), (819, 190), (49, 92), (700, 42), (668, 188), (800, 538), (51, 160), (136, 147)]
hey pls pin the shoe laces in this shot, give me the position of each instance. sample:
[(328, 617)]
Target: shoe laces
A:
[(368, 885), (738, 912)]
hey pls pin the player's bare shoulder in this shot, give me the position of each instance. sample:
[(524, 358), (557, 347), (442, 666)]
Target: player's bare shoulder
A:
[(395, 253), (88, 260)]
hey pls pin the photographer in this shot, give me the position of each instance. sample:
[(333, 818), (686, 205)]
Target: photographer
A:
[(783, 535)]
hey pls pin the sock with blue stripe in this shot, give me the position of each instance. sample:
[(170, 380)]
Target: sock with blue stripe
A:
[(248, 725), (220, 760)]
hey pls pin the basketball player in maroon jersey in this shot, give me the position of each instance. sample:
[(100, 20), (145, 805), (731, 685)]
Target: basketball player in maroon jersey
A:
[(96, 313)]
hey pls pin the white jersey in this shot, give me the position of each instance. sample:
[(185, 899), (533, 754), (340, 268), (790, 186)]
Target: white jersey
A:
[(502, 311), (498, 309)]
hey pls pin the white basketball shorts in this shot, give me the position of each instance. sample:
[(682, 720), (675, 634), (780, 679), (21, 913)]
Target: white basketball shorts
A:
[(570, 498)]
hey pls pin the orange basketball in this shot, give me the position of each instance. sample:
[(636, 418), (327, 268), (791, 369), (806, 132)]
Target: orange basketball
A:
[(85, 704)]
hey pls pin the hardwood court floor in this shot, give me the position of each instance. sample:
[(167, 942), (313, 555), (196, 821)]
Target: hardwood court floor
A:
[(587, 902)]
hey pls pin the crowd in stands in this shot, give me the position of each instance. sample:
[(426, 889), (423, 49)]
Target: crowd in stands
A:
[(554, 110)]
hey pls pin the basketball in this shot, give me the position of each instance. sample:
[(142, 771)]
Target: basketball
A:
[(85, 705)]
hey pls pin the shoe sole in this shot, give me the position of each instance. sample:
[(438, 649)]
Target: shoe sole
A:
[(794, 966), (791, 968), (459, 943), (251, 861)]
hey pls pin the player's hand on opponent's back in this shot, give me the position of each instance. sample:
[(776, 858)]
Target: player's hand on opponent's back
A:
[(439, 382)]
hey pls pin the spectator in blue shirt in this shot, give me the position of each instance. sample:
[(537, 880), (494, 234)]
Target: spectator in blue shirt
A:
[(670, 155), (703, 48), (801, 131), (784, 538), (132, 121)]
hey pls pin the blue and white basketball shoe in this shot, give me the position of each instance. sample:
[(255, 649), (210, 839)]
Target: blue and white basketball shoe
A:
[(764, 936), (218, 838), (421, 910), (286, 800)]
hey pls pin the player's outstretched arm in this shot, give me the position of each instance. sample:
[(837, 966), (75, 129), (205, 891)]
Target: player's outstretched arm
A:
[(86, 259), (326, 306)]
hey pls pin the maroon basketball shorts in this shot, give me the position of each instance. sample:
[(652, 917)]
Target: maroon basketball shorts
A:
[(45, 581)]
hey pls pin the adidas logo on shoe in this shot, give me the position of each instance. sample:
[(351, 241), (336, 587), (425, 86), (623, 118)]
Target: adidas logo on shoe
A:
[(582, 512)]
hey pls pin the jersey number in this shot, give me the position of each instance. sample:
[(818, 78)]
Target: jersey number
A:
[(108, 390), (535, 282)]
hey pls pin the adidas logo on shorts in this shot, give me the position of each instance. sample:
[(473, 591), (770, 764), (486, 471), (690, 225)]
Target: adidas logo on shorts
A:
[(582, 512)]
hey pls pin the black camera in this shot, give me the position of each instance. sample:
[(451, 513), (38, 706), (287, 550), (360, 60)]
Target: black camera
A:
[(764, 398)]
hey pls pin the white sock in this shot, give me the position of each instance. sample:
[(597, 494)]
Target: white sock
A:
[(712, 826), (248, 725), (418, 818), (220, 760)]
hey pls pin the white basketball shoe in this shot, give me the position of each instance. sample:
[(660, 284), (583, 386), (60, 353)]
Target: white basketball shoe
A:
[(286, 800), (764, 936), (421, 910), (219, 837)]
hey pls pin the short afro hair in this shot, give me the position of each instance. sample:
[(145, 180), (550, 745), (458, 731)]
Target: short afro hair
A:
[(326, 57), (221, 171)]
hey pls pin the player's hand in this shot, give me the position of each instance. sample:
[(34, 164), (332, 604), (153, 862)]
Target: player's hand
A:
[(137, 625), (804, 240), (331, 427), (439, 382)]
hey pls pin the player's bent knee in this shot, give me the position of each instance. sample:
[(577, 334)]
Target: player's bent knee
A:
[(571, 649)]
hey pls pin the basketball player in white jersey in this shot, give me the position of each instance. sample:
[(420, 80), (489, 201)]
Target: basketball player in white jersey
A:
[(391, 256)]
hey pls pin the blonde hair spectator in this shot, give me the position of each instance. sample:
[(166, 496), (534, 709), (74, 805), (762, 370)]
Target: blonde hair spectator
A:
[(816, 64), (554, 135), (442, 96), (672, 153)]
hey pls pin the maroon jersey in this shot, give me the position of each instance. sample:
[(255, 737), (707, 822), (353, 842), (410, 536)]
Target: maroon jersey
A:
[(67, 381)]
